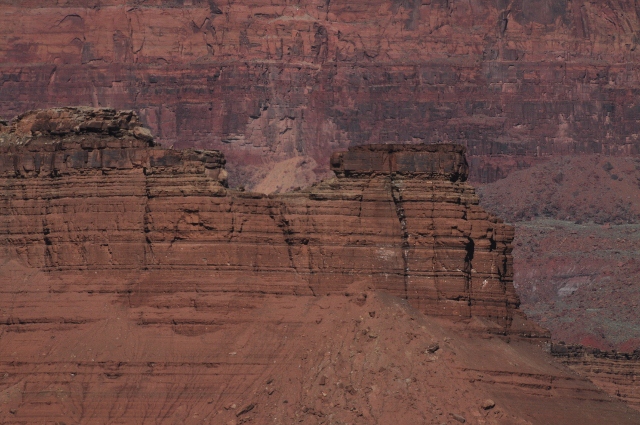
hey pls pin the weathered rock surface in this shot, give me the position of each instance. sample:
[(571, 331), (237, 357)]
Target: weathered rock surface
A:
[(576, 221), (617, 373), (143, 290), (87, 142), (581, 189), (267, 81), (403, 219)]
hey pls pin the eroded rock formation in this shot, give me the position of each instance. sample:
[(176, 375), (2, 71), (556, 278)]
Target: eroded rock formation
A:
[(267, 81), (137, 287), (617, 373), (399, 216)]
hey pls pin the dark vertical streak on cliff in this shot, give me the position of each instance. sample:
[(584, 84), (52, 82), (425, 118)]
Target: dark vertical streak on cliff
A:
[(470, 250), (149, 257), (277, 214), (396, 195)]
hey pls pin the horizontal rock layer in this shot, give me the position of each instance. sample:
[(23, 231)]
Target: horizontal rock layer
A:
[(144, 290), (415, 235), (440, 162), (93, 142), (616, 373), (68, 121), (266, 81)]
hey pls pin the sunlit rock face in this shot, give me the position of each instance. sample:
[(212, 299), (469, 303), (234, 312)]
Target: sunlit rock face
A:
[(86, 189), (137, 287)]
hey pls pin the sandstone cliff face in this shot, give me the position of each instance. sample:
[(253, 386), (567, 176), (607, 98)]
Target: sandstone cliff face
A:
[(267, 81), (138, 288), (399, 217)]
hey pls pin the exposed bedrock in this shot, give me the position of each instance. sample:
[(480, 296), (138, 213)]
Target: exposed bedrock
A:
[(136, 287), (399, 217), (616, 373), (265, 81)]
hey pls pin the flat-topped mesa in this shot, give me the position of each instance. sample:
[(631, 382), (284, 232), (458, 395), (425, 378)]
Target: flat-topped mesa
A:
[(443, 161), (418, 232), (64, 141)]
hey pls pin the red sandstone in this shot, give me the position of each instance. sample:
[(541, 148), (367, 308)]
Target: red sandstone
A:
[(143, 290), (268, 81)]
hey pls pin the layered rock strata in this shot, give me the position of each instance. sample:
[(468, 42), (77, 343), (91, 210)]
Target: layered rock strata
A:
[(400, 217), (86, 141), (616, 373), (136, 287), (267, 81)]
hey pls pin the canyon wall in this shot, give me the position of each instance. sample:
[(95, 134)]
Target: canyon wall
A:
[(136, 287), (268, 81), (86, 190)]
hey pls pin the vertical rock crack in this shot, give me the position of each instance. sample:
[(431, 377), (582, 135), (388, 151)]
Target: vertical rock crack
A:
[(396, 195)]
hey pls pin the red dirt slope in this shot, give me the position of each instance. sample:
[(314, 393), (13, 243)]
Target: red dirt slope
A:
[(585, 188), (358, 358)]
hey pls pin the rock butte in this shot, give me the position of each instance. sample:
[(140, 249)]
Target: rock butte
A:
[(265, 81), (399, 216), (138, 288)]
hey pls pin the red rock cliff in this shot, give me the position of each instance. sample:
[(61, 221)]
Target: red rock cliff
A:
[(267, 81), (138, 288), (83, 191)]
